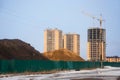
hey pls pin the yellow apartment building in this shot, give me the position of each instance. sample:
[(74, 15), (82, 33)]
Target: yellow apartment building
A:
[(113, 59), (72, 42), (52, 40)]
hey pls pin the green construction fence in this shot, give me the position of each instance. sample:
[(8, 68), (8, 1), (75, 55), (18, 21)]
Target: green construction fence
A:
[(18, 66)]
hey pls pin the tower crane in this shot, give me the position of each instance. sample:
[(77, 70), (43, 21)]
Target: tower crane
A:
[(94, 17), (100, 22)]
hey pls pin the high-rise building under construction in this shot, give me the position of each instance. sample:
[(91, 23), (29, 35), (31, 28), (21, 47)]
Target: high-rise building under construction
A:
[(96, 45)]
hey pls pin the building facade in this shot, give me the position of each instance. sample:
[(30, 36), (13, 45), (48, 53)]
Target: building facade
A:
[(113, 59), (52, 40), (72, 42), (96, 45)]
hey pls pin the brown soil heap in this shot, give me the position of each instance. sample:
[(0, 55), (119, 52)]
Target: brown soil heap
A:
[(17, 49), (62, 55)]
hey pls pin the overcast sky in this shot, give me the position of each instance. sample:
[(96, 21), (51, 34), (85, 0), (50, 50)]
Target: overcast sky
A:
[(27, 20)]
